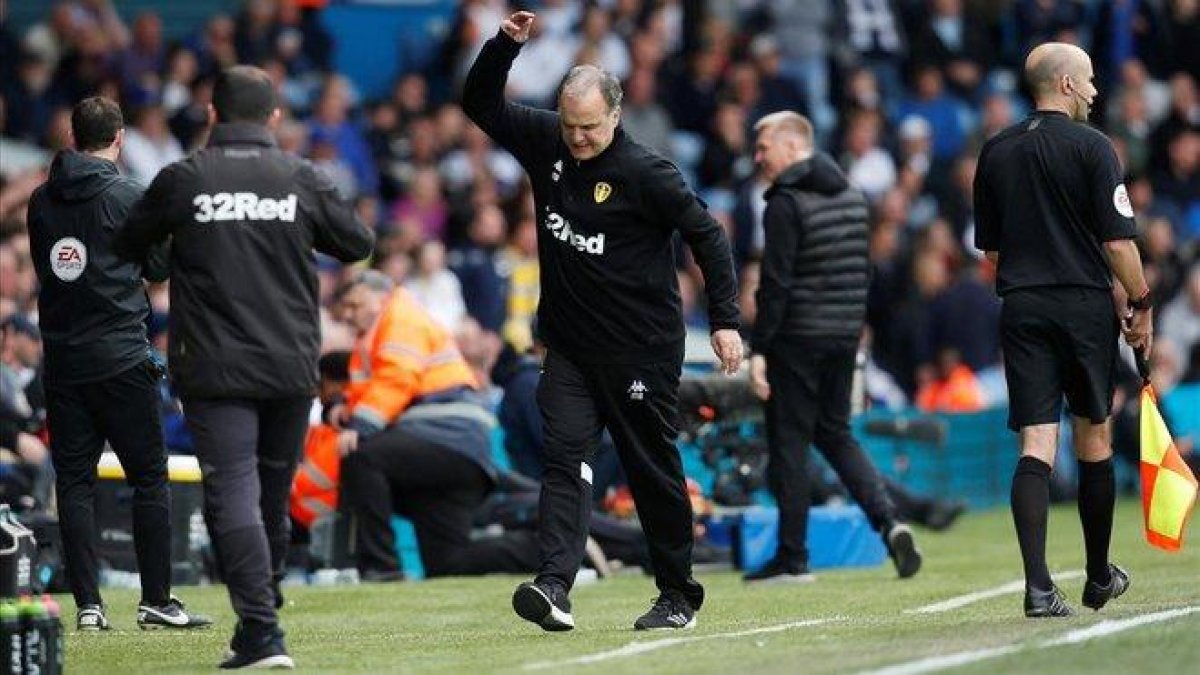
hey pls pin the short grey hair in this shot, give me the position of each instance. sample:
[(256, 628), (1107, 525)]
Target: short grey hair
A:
[(374, 280), (580, 79), (786, 121)]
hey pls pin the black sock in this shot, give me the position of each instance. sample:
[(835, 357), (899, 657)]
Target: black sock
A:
[(1097, 497), (1030, 508)]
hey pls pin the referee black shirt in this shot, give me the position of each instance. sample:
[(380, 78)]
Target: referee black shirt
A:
[(1048, 194)]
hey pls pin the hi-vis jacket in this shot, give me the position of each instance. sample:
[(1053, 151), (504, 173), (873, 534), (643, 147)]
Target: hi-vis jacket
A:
[(408, 372), (405, 357)]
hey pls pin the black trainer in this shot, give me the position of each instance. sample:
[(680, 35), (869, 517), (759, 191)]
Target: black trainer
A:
[(671, 611), (257, 649), (1096, 596), (902, 547), (171, 615), (779, 572), (1041, 604), (90, 618), (545, 604)]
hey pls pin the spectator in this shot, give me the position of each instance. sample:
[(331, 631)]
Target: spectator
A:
[(149, 145), (868, 166), (436, 288), (643, 117), (952, 387), (145, 58), (482, 270), (1180, 319)]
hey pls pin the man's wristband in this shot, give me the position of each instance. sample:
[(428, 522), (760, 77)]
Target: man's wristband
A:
[(1142, 304)]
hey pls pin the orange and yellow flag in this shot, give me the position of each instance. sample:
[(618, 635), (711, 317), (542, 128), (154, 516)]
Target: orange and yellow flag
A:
[(1168, 486)]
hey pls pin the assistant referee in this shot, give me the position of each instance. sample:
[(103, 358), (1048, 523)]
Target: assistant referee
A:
[(1052, 212)]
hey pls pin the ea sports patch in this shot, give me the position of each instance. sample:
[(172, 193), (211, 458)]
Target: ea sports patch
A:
[(1121, 201), (68, 258)]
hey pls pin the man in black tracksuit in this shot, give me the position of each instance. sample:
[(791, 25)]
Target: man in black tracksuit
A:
[(610, 317), (244, 218), (811, 302), (101, 384)]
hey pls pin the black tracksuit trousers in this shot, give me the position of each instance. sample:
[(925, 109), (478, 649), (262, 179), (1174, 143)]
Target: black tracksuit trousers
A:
[(123, 410), (248, 450), (810, 404), (638, 403)]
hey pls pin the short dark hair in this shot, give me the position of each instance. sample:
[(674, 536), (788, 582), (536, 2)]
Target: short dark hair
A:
[(243, 94), (95, 122)]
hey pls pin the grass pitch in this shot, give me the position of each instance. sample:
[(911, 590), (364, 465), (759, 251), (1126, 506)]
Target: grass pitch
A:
[(858, 619)]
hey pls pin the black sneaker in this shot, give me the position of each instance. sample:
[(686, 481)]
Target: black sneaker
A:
[(1041, 604), (90, 618), (778, 572), (545, 604), (670, 611), (1096, 596), (264, 649), (902, 547), (171, 615)]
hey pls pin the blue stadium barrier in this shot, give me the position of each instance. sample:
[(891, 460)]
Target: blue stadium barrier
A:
[(1181, 405), (975, 463), (838, 536)]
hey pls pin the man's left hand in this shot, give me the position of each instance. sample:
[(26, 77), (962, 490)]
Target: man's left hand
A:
[(727, 345)]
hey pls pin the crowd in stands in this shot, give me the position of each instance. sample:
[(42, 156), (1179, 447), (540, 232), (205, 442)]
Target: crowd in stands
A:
[(902, 94)]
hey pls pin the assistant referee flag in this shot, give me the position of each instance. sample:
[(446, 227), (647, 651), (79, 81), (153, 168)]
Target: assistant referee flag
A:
[(1168, 486)]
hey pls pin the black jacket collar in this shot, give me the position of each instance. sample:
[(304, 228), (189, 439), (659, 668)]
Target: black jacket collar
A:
[(241, 133)]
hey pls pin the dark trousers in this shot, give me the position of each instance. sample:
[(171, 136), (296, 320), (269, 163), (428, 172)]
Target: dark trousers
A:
[(439, 490), (122, 410), (810, 404), (248, 450), (638, 404)]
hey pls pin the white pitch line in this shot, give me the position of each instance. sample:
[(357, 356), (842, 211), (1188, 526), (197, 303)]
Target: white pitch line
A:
[(635, 648), (1116, 626), (969, 598), (934, 663)]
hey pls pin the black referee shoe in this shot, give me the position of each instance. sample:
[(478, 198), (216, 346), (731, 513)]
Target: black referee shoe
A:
[(171, 615), (902, 547), (545, 604), (1096, 596), (671, 611), (1041, 604)]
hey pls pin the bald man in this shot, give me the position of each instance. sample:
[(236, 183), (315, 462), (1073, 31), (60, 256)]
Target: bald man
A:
[(610, 316), (1052, 213)]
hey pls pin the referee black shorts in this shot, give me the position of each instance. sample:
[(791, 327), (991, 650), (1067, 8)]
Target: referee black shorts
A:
[(1059, 341)]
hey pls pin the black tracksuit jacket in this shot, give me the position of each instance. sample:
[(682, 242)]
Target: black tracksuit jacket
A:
[(605, 231), (92, 306), (244, 218)]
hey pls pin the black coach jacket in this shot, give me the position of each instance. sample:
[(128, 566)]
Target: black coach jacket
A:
[(92, 306), (244, 218)]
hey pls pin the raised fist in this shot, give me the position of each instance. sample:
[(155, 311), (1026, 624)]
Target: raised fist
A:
[(518, 25)]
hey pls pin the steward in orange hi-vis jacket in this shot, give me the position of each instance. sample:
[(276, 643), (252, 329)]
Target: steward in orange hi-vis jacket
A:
[(404, 357), (413, 438)]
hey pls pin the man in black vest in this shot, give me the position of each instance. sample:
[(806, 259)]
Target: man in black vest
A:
[(811, 303), (101, 383)]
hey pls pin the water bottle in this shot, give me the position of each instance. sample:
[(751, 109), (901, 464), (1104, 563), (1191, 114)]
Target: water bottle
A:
[(52, 638), (10, 638), (32, 649)]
